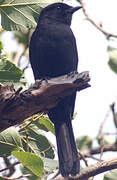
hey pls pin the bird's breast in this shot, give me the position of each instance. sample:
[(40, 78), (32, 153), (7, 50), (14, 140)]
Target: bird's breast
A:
[(56, 51)]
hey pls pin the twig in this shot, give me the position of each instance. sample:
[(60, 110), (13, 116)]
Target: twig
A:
[(98, 26), (22, 48), (94, 151), (56, 175), (108, 134), (97, 150), (101, 153), (112, 106), (8, 164), (18, 177), (92, 157), (9, 167), (96, 169), (33, 120), (83, 158), (100, 133)]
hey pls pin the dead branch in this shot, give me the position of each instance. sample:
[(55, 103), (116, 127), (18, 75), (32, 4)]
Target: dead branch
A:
[(16, 106), (97, 150), (10, 166), (18, 177), (98, 26), (100, 133)]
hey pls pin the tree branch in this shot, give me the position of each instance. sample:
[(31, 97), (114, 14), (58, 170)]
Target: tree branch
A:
[(97, 150), (10, 166), (94, 170), (44, 95), (98, 26)]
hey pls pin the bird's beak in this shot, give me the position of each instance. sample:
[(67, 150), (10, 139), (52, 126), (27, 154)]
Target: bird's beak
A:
[(74, 9)]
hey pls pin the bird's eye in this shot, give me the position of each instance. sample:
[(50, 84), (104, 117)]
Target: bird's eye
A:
[(59, 7)]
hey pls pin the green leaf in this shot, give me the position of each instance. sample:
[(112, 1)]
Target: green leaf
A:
[(10, 74), (1, 178), (31, 161), (45, 124), (32, 176), (37, 142), (1, 46), (113, 59), (84, 142), (112, 175), (22, 36), (21, 14), (102, 140), (9, 141), (50, 165)]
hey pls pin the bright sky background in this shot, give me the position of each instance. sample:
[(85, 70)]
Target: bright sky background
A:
[(92, 104)]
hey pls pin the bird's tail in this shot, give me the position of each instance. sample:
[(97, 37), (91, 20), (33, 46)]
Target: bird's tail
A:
[(67, 152)]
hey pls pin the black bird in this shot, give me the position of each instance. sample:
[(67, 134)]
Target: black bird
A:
[(53, 53)]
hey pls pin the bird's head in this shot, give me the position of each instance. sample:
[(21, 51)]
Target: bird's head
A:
[(59, 12)]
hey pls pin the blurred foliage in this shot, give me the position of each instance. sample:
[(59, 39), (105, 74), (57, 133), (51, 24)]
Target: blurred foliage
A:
[(1, 178), (28, 142), (10, 74), (103, 140), (50, 165), (112, 175), (113, 58), (21, 36), (84, 143), (1, 47)]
